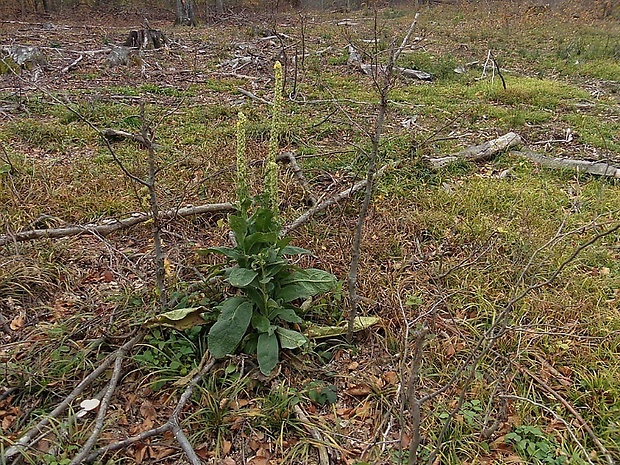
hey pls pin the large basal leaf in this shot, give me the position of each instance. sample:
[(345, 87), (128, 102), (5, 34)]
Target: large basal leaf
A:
[(241, 277), (227, 332), (260, 323), (302, 284), (180, 319), (267, 351), (360, 323), (290, 339)]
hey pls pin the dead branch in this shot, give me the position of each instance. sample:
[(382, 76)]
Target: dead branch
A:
[(331, 201), (114, 225), (249, 94), (171, 425), (113, 134), (26, 440), (72, 65), (597, 442), (479, 152), (582, 166), (103, 409), (323, 456)]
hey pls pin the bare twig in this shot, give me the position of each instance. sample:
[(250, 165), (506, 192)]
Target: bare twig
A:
[(171, 425), (323, 456), (383, 88), (26, 440)]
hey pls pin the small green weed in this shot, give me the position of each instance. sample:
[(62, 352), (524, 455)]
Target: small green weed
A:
[(535, 446)]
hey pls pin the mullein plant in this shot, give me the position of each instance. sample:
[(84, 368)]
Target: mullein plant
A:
[(262, 316)]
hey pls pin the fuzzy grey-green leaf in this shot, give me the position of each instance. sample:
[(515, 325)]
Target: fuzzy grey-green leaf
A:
[(241, 277), (227, 332), (290, 339), (267, 351)]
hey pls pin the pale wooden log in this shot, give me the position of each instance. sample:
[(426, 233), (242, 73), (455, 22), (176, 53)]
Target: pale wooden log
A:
[(479, 152), (105, 229), (582, 166)]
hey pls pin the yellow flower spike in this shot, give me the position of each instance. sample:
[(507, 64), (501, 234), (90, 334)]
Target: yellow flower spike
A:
[(242, 168), (271, 172)]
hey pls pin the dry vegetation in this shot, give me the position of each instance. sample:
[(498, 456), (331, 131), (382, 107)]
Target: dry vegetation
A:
[(443, 249)]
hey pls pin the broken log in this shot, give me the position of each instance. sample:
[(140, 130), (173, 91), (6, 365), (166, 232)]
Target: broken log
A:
[(146, 39), (582, 166), (114, 225), (479, 152)]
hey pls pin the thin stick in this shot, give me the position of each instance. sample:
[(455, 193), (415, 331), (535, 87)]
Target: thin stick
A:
[(171, 425), (103, 409), (597, 442), (331, 201), (25, 440), (323, 456)]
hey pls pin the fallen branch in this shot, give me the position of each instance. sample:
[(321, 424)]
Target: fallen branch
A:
[(115, 225), (301, 416), (331, 201), (247, 93), (479, 152), (171, 425), (72, 65), (26, 440), (582, 166), (116, 134)]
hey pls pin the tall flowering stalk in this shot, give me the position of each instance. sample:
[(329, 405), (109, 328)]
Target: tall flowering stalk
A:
[(242, 167), (271, 172)]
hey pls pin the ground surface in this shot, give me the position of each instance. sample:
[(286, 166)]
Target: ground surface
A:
[(445, 249)]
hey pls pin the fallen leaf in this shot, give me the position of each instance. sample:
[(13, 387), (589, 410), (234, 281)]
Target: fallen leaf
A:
[(226, 446), (391, 377), (18, 322), (359, 390), (228, 461), (147, 410)]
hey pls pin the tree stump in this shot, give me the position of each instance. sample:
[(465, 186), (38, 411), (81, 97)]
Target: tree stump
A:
[(146, 39)]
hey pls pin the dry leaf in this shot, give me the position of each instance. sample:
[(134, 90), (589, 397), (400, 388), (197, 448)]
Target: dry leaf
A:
[(352, 366), (163, 452), (140, 453), (391, 377), (359, 390), (228, 461), (18, 322), (226, 446), (147, 410)]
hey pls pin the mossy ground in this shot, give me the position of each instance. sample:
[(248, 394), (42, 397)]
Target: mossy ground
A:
[(70, 301)]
